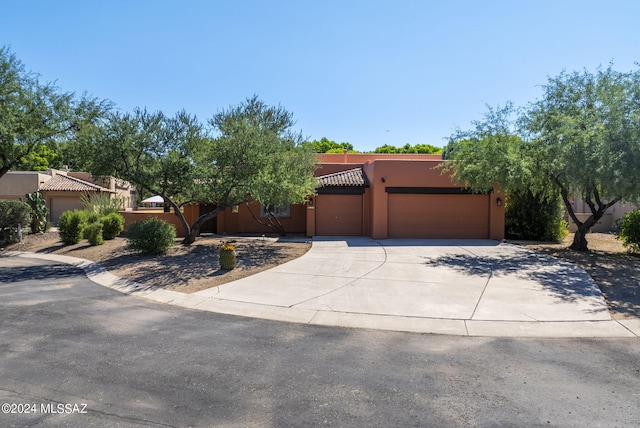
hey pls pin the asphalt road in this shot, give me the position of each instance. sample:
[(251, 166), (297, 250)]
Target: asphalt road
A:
[(74, 354)]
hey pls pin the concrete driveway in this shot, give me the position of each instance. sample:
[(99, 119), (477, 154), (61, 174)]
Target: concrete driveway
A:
[(461, 287)]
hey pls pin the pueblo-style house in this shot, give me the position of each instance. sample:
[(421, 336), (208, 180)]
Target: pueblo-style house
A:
[(381, 196)]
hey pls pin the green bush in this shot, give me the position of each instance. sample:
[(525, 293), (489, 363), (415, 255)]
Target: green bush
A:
[(531, 217), (71, 225), (151, 236), (93, 233), (92, 217), (12, 215), (112, 225), (629, 232)]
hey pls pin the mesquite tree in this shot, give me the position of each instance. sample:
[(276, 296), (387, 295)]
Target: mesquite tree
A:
[(581, 138), (253, 157), (33, 114)]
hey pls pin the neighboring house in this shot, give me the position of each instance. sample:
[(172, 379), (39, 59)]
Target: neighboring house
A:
[(608, 222), (62, 190), (382, 196)]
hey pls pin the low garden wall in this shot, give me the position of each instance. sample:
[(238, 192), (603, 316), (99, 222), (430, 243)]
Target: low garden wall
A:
[(190, 213)]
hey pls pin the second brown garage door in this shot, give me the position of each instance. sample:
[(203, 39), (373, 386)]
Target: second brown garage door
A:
[(339, 215), (438, 216)]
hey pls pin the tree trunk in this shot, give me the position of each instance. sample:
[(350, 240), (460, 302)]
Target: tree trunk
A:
[(4, 170), (277, 225), (580, 239), (274, 223), (190, 237)]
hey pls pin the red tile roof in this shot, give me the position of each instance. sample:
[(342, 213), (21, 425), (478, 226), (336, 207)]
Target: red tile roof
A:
[(64, 183), (350, 178)]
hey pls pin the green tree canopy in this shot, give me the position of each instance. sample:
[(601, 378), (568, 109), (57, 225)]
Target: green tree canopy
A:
[(268, 162), (408, 148), (35, 114), (41, 158), (253, 156), (324, 145), (154, 151), (582, 136)]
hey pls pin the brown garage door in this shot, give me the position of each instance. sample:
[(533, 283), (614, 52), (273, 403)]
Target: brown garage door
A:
[(438, 216), (339, 215), (60, 204)]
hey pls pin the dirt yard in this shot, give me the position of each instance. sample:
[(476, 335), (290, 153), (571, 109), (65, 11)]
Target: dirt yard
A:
[(186, 269)]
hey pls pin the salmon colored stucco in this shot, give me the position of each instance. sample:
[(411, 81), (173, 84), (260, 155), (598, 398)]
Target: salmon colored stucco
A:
[(408, 196), (241, 220)]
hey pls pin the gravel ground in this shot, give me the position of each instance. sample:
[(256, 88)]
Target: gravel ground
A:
[(184, 268)]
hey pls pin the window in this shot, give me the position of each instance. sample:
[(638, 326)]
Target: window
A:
[(278, 211)]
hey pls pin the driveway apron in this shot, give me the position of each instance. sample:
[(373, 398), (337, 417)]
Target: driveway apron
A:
[(445, 279)]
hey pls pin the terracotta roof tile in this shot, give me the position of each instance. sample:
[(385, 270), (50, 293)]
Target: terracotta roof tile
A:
[(353, 177), (65, 183)]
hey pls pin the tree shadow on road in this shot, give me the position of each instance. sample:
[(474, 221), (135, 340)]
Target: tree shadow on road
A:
[(37, 273)]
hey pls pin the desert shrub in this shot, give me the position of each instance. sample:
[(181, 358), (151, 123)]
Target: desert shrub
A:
[(532, 217), (151, 236), (112, 225), (102, 203), (71, 225), (629, 232), (93, 233), (13, 215), (92, 217)]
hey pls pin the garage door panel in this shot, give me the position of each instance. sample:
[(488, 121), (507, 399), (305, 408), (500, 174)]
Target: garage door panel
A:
[(61, 204), (339, 215), (438, 216)]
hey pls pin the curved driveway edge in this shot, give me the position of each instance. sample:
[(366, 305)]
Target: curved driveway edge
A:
[(453, 287)]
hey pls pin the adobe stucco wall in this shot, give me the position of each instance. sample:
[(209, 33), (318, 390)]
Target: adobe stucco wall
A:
[(190, 213), (360, 158), (15, 184), (243, 221)]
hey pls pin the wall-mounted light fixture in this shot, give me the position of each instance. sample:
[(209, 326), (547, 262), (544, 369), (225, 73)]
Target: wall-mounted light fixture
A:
[(383, 180), (499, 202)]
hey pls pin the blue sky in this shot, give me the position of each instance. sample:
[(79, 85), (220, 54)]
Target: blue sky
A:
[(366, 72)]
